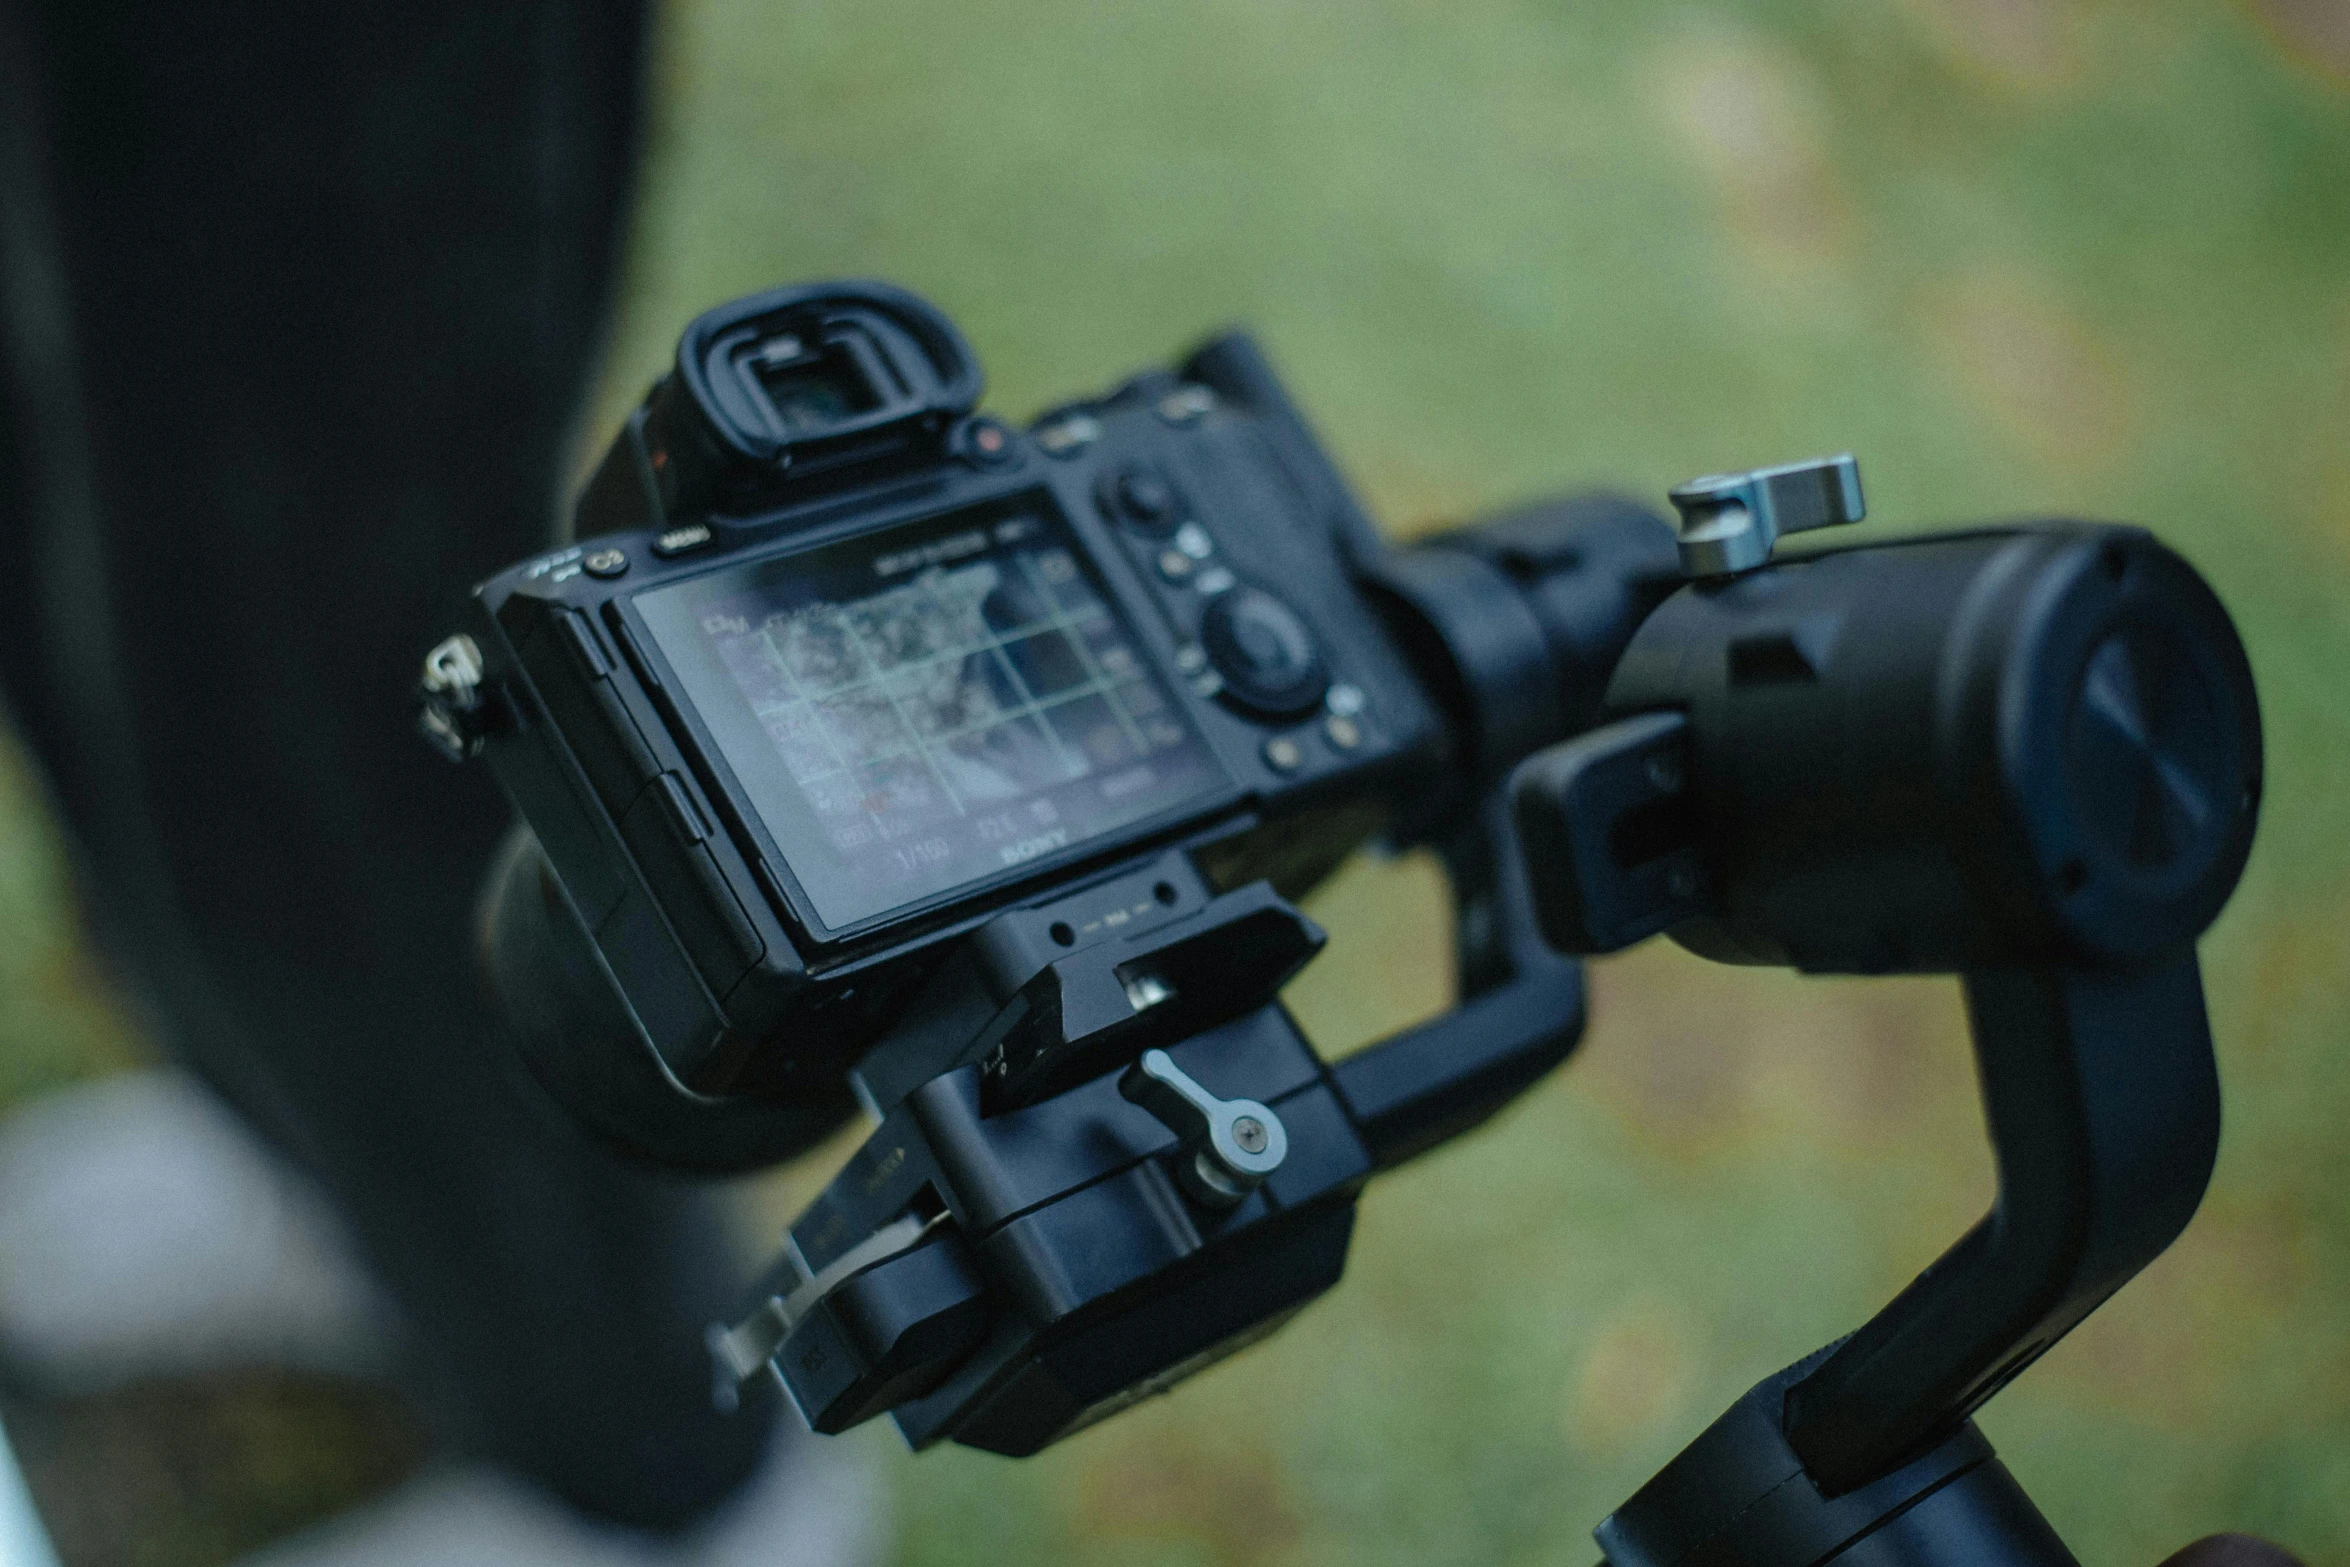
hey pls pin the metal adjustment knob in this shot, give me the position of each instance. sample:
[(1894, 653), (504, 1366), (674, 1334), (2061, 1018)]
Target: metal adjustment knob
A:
[(451, 710), (1730, 521), (1233, 1144)]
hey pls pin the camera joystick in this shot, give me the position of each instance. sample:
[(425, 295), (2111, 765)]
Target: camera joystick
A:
[(1264, 652)]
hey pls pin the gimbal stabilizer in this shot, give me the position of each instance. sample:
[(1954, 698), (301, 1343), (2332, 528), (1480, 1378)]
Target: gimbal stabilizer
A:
[(2030, 757), (874, 752)]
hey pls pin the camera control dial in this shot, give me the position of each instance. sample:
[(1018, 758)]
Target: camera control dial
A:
[(1264, 652)]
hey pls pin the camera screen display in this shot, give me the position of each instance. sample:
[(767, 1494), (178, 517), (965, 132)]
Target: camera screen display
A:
[(929, 706)]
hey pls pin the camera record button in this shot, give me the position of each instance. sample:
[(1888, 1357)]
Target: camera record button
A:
[(1264, 652), (985, 443)]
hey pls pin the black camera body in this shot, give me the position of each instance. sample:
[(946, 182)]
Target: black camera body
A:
[(842, 669)]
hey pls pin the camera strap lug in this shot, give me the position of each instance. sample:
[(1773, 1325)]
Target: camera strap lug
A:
[(452, 710)]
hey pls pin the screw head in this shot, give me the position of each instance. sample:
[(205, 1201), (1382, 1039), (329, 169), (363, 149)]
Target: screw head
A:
[(1249, 1133)]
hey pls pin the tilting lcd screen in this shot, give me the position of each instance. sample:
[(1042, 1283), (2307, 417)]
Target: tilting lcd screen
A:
[(928, 706)]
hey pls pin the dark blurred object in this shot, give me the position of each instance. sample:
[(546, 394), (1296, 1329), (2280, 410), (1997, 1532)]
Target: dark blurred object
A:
[(2232, 1550), (199, 1470), (294, 320)]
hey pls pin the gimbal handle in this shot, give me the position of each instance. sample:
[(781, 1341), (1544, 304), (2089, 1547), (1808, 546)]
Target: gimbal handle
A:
[(2103, 1107)]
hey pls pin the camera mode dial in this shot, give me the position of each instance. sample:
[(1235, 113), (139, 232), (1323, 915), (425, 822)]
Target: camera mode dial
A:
[(1264, 652)]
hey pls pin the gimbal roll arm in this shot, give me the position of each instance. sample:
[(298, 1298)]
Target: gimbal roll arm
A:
[(2103, 1108), (1433, 1082)]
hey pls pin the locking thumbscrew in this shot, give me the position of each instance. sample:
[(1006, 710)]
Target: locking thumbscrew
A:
[(1228, 1146)]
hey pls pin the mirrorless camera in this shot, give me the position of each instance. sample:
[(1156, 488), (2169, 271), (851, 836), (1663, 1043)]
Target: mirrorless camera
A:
[(847, 668), (875, 753)]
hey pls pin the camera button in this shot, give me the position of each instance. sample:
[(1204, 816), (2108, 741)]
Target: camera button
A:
[(1174, 565), (985, 443), (606, 563), (679, 540), (1141, 497), (1186, 405), (1344, 733), (1068, 435), (1193, 540), (1264, 652), (1284, 755)]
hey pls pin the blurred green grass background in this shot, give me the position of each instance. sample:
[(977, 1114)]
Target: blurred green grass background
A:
[(2023, 256)]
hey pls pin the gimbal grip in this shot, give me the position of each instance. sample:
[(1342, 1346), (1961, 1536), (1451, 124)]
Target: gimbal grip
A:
[(2103, 1104)]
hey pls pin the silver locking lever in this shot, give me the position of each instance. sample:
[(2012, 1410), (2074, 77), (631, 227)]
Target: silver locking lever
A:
[(743, 1351), (1233, 1144), (1730, 521)]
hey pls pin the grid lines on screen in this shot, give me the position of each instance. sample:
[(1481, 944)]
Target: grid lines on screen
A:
[(960, 690)]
